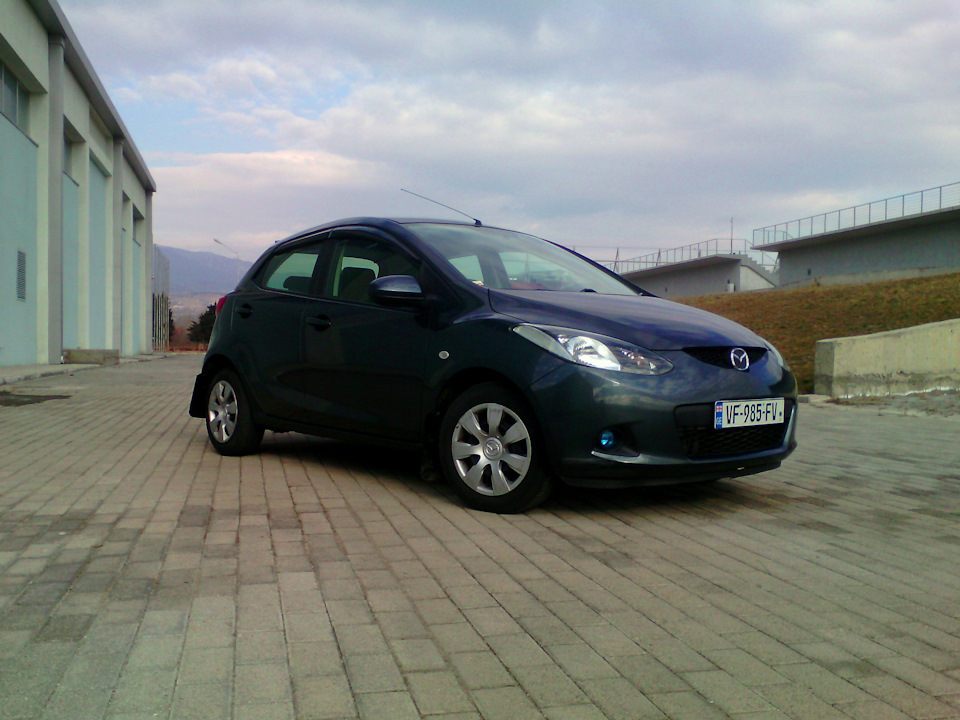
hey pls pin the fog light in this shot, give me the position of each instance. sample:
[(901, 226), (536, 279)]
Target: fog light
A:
[(608, 440)]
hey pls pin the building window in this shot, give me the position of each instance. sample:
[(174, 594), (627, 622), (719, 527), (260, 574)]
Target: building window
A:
[(14, 99), (21, 275), (68, 157)]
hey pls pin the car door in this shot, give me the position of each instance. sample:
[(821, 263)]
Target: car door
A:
[(366, 360), (267, 327)]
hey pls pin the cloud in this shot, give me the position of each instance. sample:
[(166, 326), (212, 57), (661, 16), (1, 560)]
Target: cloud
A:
[(617, 122), (252, 80), (244, 198)]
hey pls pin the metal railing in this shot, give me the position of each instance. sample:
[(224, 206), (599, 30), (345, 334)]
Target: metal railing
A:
[(161, 300), (901, 206), (696, 251)]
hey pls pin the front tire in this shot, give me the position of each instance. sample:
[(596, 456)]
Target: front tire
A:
[(230, 424), (491, 453)]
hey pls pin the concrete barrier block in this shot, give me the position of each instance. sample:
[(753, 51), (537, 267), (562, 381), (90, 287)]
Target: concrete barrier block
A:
[(91, 357), (917, 359)]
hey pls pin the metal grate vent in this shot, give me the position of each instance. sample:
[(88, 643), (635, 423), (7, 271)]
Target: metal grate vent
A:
[(702, 442), (21, 275), (706, 443)]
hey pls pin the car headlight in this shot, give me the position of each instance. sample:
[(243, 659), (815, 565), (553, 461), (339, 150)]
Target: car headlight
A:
[(594, 350), (777, 356)]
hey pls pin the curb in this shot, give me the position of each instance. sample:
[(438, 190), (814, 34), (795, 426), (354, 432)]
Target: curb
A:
[(11, 375)]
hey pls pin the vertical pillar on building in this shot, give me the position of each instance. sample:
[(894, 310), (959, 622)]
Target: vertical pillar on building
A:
[(146, 291), (116, 332), (81, 172), (55, 203)]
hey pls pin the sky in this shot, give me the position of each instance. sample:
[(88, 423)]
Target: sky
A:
[(611, 126)]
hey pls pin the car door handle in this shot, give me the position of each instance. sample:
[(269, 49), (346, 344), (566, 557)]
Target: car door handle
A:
[(321, 322), (244, 310)]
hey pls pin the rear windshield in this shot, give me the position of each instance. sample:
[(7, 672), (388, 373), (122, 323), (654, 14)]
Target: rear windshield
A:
[(507, 260)]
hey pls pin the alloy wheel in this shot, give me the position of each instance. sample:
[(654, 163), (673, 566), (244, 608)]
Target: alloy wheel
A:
[(490, 447), (222, 411)]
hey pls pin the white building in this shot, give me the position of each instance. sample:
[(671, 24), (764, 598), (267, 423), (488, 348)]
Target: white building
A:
[(76, 219)]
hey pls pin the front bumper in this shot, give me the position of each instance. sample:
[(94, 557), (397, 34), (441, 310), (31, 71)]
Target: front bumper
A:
[(663, 424)]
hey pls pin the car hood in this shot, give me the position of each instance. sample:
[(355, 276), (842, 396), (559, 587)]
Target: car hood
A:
[(647, 321)]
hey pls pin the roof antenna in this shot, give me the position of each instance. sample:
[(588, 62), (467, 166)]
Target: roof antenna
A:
[(475, 221)]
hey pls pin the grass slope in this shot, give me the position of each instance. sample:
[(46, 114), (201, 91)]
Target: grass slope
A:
[(794, 320)]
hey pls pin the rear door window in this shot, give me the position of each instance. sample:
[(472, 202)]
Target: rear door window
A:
[(293, 270)]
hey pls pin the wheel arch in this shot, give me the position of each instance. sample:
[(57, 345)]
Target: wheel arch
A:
[(215, 363), (457, 384), (212, 365)]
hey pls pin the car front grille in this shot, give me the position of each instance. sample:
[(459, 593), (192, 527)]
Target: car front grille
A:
[(701, 441), (720, 356)]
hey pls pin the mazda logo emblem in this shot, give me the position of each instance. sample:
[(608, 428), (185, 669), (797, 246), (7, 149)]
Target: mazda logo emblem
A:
[(739, 359)]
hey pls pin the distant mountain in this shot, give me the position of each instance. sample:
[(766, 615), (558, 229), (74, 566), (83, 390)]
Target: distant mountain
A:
[(201, 272)]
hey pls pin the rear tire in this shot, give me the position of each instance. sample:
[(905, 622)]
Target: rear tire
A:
[(230, 424), (491, 452)]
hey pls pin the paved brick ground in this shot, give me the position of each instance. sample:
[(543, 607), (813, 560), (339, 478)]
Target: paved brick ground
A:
[(144, 576)]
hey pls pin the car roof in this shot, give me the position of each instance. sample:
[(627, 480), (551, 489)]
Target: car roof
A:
[(371, 221)]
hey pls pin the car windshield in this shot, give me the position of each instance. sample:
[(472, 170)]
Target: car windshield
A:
[(507, 260)]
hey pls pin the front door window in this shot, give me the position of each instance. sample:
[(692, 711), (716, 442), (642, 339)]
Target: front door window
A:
[(359, 260)]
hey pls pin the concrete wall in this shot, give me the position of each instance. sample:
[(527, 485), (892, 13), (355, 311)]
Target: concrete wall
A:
[(23, 44), (18, 234), (917, 359), (904, 251), (687, 279), (750, 280), (706, 276), (871, 276)]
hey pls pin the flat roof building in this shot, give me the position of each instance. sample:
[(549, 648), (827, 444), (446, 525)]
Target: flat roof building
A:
[(705, 268), (899, 237), (76, 200)]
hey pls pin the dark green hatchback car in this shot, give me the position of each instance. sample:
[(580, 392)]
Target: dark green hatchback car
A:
[(513, 363)]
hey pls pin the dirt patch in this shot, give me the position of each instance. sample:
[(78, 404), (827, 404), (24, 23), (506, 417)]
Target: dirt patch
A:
[(936, 402), (9, 399)]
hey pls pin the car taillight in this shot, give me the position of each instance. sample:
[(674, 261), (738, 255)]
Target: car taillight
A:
[(219, 307)]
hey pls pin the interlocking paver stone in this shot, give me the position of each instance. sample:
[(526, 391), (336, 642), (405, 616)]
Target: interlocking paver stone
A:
[(142, 575)]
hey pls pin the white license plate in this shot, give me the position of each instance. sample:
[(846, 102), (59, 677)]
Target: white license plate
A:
[(748, 413)]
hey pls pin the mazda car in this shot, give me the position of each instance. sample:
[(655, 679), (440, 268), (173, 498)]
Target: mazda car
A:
[(510, 362)]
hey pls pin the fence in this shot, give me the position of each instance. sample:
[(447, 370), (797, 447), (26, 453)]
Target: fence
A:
[(696, 251), (915, 203), (161, 300)]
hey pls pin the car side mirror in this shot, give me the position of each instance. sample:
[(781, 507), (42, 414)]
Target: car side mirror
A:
[(396, 290)]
